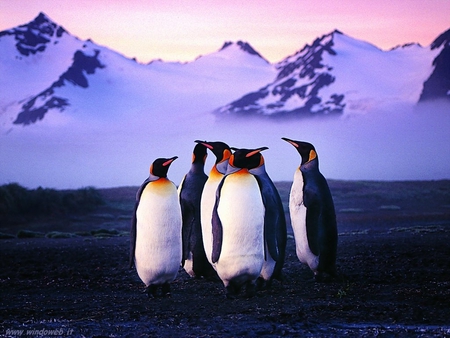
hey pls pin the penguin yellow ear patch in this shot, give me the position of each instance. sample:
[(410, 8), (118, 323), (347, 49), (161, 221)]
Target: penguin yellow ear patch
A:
[(261, 161), (312, 155), (226, 154), (231, 160)]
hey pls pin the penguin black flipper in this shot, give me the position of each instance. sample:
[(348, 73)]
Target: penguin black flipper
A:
[(188, 222), (328, 235), (187, 213), (217, 230), (270, 222), (133, 223), (313, 212), (133, 236)]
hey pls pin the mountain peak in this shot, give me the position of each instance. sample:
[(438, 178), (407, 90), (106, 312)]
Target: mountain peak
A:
[(41, 18), (32, 37), (45, 25), (444, 38), (244, 46)]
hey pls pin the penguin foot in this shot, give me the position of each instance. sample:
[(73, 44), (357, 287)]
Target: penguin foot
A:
[(250, 289), (151, 291), (260, 283), (213, 277), (323, 277), (166, 290), (231, 292)]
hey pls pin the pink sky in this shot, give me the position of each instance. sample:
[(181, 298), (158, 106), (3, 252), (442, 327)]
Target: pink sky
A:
[(182, 30)]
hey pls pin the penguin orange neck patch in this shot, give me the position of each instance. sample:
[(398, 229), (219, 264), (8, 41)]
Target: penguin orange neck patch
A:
[(243, 171), (215, 173)]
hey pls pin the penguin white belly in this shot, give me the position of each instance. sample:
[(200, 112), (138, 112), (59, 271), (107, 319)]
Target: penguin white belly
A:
[(158, 233), (206, 208), (297, 211), (241, 211)]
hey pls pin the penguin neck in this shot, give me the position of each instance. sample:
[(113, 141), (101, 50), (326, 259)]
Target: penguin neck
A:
[(231, 169), (153, 178), (198, 168), (239, 171), (310, 165), (261, 170), (221, 167), (215, 174)]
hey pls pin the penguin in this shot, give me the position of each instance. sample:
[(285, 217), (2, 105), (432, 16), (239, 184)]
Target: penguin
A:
[(222, 152), (313, 215), (190, 191), (156, 245), (238, 225), (275, 231)]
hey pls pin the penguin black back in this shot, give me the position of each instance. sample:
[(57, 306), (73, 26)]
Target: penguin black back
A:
[(194, 258)]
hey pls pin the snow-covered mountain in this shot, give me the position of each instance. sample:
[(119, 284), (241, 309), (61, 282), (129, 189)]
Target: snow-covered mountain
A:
[(74, 113), (46, 69), (338, 74)]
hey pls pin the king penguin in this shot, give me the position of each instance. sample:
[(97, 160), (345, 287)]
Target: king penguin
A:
[(222, 153), (156, 246), (312, 214), (238, 225), (275, 232), (190, 191)]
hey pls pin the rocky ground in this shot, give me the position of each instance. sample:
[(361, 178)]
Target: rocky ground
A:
[(69, 276)]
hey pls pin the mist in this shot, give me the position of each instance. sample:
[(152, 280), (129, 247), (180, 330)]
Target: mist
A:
[(396, 143)]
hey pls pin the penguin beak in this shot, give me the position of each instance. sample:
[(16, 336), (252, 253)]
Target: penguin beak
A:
[(206, 144), (169, 161), (250, 154), (290, 141)]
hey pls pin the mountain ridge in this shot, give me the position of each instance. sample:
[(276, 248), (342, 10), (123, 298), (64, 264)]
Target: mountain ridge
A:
[(39, 100), (303, 84), (314, 81)]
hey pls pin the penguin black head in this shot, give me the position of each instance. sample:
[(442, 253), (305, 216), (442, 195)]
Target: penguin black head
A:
[(305, 149), (247, 158), (220, 149), (160, 166), (199, 154)]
